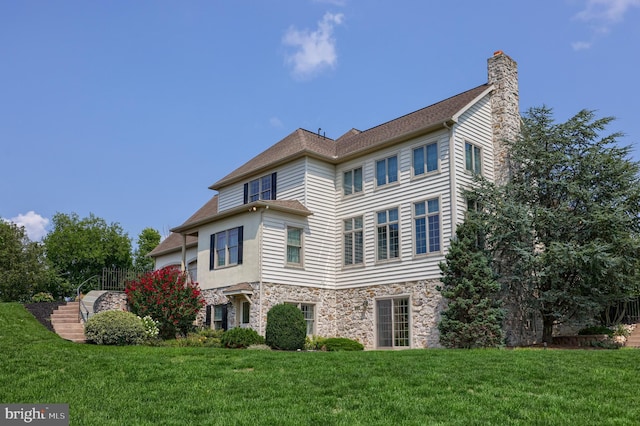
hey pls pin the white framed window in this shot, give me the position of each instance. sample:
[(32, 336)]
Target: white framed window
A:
[(294, 246), (219, 313), (388, 234), (425, 159), (309, 312), (392, 322), (387, 171), (226, 248), (473, 158), (352, 181), (353, 241), (245, 313), (263, 188), (426, 219)]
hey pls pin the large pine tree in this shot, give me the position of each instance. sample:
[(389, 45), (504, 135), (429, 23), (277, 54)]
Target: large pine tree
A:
[(473, 317), (565, 229)]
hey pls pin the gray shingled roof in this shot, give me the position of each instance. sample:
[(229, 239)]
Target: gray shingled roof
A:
[(303, 142), (172, 243)]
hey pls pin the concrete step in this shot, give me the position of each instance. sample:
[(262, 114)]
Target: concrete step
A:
[(633, 341), (66, 323)]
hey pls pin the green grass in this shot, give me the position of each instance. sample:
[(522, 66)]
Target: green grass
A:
[(180, 386)]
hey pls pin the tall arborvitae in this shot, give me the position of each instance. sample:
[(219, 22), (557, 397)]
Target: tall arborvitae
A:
[(473, 317)]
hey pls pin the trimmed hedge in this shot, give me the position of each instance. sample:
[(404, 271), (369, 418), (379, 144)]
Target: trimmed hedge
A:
[(334, 344), (115, 328), (286, 328), (241, 338)]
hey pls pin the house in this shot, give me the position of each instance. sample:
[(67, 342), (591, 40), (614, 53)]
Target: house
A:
[(350, 230)]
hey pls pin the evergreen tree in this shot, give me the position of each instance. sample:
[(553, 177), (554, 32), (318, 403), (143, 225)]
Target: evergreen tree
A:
[(473, 317), (565, 228)]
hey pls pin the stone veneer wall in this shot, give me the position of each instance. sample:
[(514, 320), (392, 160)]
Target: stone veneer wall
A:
[(344, 313), (111, 301), (505, 110), (356, 312)]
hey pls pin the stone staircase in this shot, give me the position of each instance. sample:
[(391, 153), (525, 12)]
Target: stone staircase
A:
[(633, 341), (66, 322)]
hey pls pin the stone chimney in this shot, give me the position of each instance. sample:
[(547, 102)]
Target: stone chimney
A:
[(505, 112)]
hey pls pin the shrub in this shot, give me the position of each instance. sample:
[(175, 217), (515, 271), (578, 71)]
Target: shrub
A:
[(314, 343), (150, 327), (241, 338), (596, 329), (115, 328), (335, 344), (199, 339), (286, 328), (167, 296), (42, 297)]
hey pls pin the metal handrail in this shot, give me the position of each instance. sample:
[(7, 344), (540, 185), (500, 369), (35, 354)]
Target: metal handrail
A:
[(81, 304)]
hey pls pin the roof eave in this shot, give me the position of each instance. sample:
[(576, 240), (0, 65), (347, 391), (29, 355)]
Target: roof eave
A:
[(445, 124), (465, 108), (189, 228), (300, 154), (171, 250)]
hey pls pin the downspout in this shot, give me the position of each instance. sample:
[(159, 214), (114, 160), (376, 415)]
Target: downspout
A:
[(183, 262), (260, 235), (452, 178)]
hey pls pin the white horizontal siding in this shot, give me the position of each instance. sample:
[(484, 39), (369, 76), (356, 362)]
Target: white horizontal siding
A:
[(318, 248), (289, 186), (475, 127), (402, 195)]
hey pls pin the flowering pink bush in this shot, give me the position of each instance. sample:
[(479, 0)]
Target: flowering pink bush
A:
[(167, 296)]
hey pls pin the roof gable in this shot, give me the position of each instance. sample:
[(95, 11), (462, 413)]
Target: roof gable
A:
[(299, 143)]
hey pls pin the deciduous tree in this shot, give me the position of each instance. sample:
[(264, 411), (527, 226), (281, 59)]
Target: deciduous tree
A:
[(24, 270), (81, 248), (148, 239)]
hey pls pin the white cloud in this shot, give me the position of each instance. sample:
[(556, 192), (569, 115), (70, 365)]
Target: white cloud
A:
[(275, 122), (601, 15), (315, 50), (333, 2), (581, 45), (34, 224), (606, 11)]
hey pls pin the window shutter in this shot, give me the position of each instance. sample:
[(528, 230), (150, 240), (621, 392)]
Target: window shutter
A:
[(207, 318), (273, 185), (212, 252), (246, 193), (224, 317), (240, 243)]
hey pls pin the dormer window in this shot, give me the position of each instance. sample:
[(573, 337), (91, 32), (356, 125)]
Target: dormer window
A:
[(263, 188)]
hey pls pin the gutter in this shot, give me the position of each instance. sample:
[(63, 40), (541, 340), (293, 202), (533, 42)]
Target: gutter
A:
[(453, 196), (192, 226)]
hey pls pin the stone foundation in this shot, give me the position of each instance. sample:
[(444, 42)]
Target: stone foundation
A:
[(341, 313), (356, 310), (111, 301)]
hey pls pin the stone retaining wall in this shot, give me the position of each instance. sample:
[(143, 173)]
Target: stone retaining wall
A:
[(111, 301)]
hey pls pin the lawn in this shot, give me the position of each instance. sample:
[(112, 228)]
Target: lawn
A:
[(141, 385)]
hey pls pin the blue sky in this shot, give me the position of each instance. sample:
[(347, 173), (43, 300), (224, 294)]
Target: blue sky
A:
[(130, 110)]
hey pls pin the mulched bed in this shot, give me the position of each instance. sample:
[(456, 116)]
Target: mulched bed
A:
[(42, 311)]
